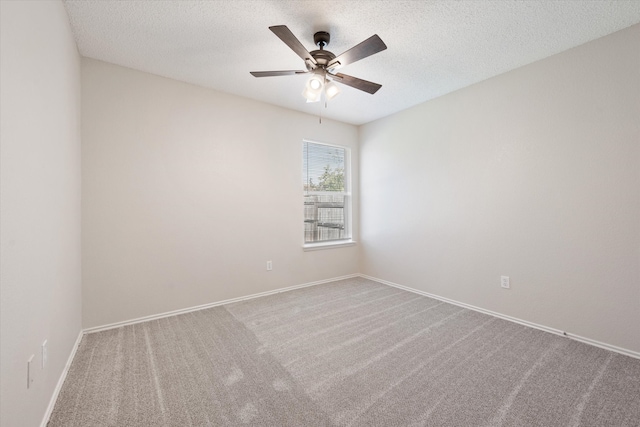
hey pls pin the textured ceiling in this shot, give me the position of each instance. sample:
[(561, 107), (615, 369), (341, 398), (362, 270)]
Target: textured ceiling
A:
[(434, 47)]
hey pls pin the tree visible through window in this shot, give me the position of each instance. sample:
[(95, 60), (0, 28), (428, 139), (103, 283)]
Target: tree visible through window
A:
[(326, 196)]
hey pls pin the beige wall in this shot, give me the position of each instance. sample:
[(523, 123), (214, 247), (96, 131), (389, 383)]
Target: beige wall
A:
[(534, 174), (40, 203), (187, 192)]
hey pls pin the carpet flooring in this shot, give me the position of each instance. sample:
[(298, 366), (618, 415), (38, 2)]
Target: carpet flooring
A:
[(347, 353)]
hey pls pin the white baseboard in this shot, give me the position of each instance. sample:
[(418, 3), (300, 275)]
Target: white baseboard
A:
[(63, 376), (589, 341), (209, 305)]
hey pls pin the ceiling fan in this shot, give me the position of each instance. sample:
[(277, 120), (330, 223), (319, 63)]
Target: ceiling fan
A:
[(321, 64)]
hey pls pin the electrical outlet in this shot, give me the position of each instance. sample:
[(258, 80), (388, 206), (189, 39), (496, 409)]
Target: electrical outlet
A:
[(30, 371), (44, 353), (269, 265), (504, 282)]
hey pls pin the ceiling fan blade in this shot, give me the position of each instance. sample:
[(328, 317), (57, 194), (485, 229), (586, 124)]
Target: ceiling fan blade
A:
[(370, 46), (357, 83), (276, 73), (290, 40)]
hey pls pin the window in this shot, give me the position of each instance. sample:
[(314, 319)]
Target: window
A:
[(327, 197)]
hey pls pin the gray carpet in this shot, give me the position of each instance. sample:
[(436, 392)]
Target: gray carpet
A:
[(348, 353)]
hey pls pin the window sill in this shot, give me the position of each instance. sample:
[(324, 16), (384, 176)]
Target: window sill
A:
[(328, 245)]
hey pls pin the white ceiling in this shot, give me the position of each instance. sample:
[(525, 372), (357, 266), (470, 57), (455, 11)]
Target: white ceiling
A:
[(434, 47)]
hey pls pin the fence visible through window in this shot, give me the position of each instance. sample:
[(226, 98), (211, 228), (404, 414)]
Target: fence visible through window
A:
[(324, 218)]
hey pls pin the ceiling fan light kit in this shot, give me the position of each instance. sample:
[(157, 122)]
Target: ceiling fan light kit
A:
[(313, 90), (315, 82), (321, 64), (331, 90), (319, 85)]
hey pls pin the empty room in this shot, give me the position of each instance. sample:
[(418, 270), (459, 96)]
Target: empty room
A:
[(319, 213)]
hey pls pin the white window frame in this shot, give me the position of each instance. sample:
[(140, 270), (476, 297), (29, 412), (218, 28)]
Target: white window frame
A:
[(348, 208)]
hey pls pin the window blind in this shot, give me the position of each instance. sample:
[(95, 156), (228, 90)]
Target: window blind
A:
[(323, 167)]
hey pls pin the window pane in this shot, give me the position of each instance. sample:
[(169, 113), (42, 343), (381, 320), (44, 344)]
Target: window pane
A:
[(323, 167), (324, 217)]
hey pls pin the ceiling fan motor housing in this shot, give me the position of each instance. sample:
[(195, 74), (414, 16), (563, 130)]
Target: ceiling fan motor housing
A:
[(322, 57)]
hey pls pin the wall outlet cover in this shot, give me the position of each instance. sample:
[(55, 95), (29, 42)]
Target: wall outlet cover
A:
[(44, 353), (504, 282), (30, 371)]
